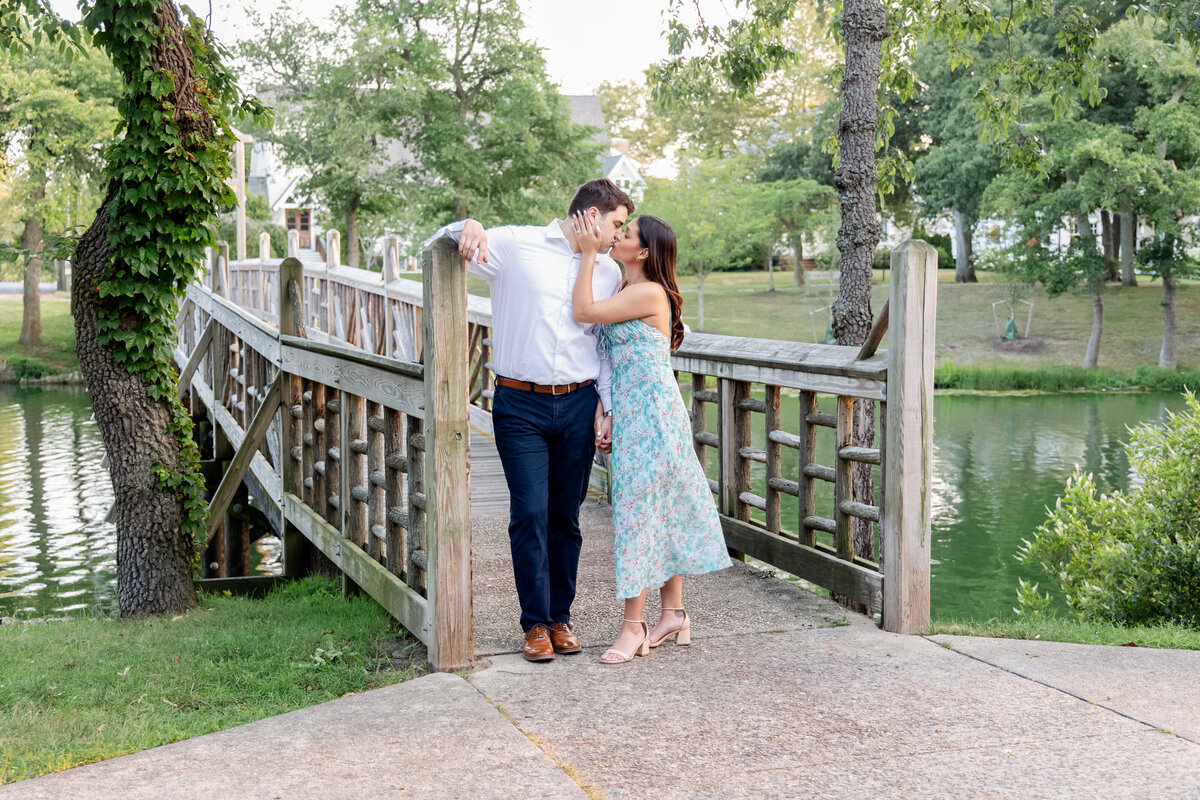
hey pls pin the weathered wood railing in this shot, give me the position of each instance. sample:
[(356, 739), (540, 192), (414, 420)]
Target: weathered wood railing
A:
[(365, 456), (743, 380), (379, 312), (751, 375)]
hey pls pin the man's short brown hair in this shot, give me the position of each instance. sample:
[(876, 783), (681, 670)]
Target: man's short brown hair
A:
[(601, 193)]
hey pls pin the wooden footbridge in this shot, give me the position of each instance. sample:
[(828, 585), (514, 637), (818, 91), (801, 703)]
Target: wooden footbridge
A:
[(346, 411)]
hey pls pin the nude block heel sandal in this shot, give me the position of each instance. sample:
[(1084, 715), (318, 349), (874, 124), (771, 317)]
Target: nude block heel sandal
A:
[(642, 648), (682, 634)]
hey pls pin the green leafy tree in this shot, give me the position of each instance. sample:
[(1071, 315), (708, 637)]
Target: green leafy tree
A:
[(492, 136), (166, 176), (631, 114), (56, 108), (710, 206), (955, 172), (443, 107), (707, 60), (801, 177), (1136, 151), (340, 98), (799, 208)]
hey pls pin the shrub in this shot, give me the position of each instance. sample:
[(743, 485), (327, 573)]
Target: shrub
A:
[(1133, 557), (26, 367), (938, 241)]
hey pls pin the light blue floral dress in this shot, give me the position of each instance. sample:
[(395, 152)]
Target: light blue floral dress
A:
[(664, 520)]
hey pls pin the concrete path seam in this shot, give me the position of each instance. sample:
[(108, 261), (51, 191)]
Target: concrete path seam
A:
[(540, 744), (1031, 679)]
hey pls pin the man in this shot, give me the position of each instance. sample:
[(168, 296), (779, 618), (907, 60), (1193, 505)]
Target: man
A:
[(552, 407)]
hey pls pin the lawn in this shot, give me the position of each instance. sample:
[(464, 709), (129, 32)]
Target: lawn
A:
[(85, 690), (1056, 629), (57, 350), (739, 304)]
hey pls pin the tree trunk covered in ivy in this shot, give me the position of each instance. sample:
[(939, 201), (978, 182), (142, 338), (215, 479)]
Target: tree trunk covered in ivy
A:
[(166, 178), (154, 569), (864, 27), (31, 243)]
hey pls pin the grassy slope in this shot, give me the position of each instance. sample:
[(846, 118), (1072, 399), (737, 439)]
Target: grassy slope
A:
[(738, 304), (90, 689), (58, 332)]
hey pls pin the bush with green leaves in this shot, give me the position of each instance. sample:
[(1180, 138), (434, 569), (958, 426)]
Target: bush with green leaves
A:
[(1132, 557), (26, 367)]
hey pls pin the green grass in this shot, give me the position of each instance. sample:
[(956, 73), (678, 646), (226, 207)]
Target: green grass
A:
[(1059, 379), (739, 304), (89, 689), (1057, 629), (57, 350)]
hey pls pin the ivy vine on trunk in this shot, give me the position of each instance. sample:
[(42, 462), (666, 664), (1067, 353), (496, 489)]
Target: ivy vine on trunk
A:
[(166, 178)]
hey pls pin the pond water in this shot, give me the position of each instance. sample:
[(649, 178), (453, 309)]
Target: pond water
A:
[(999, 462), (57, 554)]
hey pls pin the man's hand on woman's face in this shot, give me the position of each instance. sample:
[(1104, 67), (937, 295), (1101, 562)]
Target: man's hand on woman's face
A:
[(587, 233), (473, 238)]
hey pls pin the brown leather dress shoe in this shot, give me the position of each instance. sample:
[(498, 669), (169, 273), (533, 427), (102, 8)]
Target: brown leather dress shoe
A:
[(565, 641), (538, 646)]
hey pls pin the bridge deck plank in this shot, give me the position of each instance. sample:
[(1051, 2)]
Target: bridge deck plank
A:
[(489, 491)]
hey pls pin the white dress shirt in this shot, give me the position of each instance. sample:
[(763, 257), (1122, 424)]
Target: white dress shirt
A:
[(534, 333)]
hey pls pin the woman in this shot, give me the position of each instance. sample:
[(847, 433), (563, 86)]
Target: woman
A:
[(664, 522)]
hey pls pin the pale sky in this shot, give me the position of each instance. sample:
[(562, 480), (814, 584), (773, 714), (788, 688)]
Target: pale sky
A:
[(627, 34)]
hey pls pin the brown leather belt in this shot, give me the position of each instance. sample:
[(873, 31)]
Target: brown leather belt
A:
[(541, 388)]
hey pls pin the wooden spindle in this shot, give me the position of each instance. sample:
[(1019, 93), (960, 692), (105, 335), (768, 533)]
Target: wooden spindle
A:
[(808, 455), (843, 484), (773, 470)]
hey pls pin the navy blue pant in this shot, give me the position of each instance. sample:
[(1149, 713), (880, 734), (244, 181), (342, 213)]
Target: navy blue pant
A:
[(546, 444)]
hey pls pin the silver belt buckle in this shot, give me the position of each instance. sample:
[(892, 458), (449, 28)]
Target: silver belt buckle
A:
[(554, 390)]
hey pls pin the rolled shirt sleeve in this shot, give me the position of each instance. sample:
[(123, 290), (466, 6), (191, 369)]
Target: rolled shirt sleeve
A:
[(499, 244)]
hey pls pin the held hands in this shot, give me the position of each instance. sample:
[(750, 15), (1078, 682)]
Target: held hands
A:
[(473, 238), (603, 433), (587, 233)]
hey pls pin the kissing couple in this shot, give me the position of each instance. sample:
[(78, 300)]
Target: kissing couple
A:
[(582, 362)]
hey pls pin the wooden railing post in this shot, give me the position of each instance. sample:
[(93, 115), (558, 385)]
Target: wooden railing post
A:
[(333, 249), (296, 553), (447, 450), (293, 244), (264, 247), (221, 274), (905, 519)]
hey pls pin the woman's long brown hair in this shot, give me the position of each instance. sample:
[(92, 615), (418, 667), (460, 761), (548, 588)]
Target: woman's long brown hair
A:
[(659, 240)]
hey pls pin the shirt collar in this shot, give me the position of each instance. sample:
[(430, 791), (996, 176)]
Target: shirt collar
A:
[(554, 231)]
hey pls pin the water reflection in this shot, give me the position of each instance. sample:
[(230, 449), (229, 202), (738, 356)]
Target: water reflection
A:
[(57, 555), (1000, 462)]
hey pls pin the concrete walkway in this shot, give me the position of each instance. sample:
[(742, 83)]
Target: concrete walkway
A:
[(781, 695)]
